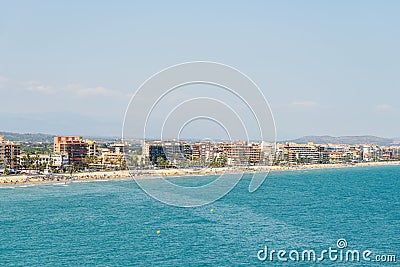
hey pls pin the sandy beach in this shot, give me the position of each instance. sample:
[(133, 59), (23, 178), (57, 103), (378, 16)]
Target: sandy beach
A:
[(108, 175)]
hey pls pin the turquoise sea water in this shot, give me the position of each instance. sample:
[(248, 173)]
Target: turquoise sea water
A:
[(114, 223)]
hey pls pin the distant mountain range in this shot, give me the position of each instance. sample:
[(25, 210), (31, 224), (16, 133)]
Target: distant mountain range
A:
[(28, 137), (325, 139), (363, 139), (44, 138)]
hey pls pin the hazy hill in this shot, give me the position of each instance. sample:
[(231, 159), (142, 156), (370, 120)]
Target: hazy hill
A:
[(46, 138), (364, 139), (28, 137)]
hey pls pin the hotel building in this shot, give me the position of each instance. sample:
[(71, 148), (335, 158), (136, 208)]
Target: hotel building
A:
[(174, 151), (9, 152), (73, 146), (302, 153)]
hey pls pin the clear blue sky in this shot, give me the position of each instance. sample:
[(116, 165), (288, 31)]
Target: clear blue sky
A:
[(326, 67)]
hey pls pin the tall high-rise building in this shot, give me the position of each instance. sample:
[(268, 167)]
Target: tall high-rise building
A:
[(9, 152), (91, 148), (174, 151), (73, 146)]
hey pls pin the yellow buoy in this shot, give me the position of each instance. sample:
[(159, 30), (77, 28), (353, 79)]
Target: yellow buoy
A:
[(158, 232), (211, 210)]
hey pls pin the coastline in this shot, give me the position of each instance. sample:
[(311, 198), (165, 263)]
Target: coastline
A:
[(115, 175)]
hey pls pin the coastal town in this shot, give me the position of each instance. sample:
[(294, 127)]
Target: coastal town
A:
[(241, 153), (67, 154), (72, 157)]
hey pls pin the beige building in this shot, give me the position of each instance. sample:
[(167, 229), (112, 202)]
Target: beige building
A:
[(9, 152), (120, 148), (301, 153), (241, 153), (91, 148), (73, 146)]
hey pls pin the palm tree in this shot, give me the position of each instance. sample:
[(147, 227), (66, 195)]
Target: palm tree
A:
[(36, 161), (162, 162)]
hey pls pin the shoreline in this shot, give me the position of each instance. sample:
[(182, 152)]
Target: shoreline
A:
[(125, 174)]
